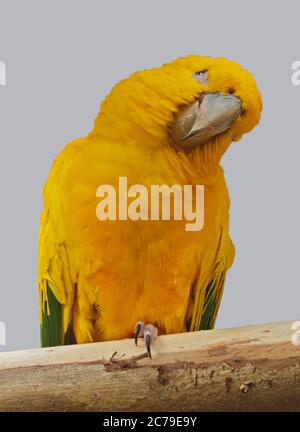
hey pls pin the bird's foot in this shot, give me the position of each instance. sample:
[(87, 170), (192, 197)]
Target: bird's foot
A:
[(148, 331)]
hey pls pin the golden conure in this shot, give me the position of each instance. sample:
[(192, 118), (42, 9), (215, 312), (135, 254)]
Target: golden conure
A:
[(104, 280)]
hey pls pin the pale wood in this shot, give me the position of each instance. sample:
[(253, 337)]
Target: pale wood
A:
[(251, 368)]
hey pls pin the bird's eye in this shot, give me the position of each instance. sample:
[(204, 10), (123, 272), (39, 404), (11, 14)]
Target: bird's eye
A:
[(201, 76)]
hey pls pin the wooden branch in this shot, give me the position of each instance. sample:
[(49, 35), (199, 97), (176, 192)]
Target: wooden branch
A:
[(252, 368)]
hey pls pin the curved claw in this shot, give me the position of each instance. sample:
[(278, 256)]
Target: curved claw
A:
[(148, 341), (138, 331), (150, 333)]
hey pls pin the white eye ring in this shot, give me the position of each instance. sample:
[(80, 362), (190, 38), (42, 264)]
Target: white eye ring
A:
[(201, 76)]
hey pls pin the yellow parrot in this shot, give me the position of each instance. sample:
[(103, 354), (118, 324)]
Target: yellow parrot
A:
[(116, 278)]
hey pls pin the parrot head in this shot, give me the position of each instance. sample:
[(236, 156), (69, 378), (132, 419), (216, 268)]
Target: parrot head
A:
[(227, 101), (188, 103)]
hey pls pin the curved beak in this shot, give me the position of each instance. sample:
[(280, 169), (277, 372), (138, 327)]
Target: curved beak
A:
[(197, 123)]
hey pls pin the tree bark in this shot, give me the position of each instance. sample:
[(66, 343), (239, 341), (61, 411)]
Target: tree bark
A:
[(253, 368)]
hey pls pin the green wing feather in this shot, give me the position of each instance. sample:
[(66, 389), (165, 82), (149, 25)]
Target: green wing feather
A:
[(203, 308), (213, 296), (207, 320), (51, 326)]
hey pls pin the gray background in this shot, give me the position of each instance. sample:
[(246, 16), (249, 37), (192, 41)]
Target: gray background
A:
[(63, 57)]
